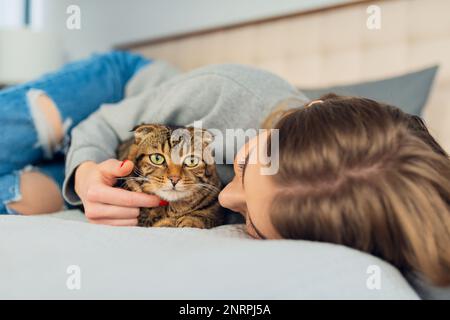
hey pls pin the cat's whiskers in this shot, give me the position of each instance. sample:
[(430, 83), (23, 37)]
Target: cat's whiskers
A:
[(133, 178), (139, 175), (122, 184), (138, 172), (208, 187)]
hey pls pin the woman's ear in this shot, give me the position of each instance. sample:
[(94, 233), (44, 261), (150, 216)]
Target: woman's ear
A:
[(142, 130)]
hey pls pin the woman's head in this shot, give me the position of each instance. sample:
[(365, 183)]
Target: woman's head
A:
[(355, 172)]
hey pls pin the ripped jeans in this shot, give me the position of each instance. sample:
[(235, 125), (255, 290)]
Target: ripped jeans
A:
[(77, 90)]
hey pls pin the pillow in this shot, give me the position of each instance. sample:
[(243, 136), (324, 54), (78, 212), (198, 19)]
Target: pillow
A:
[(426, 290), (408, 92)]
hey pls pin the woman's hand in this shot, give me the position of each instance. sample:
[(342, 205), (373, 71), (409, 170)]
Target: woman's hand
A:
[(104, 204)]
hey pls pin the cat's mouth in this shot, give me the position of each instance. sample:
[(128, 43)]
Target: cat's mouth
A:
[(172, 194)]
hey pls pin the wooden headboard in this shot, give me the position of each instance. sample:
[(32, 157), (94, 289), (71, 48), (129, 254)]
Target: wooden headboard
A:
[(330, 46)]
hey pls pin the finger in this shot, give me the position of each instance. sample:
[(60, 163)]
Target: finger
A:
[(113, 168), (106, 211), (121, 197), (115, 222)]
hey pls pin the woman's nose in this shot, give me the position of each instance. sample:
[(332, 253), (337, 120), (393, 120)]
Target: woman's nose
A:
[(232, 198)]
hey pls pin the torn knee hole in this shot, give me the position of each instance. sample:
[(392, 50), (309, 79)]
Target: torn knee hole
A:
[(47, 120), (38, 194)]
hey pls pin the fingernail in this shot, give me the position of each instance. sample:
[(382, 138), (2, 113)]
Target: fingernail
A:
[(123, 162), (163, 203)]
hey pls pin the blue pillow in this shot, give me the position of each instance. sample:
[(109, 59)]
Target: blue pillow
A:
[(408, 92)]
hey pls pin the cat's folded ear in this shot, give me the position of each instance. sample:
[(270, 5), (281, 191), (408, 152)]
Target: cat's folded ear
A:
[(141, 130), (207, 137)]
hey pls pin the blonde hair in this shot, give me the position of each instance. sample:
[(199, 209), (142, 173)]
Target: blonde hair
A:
[(366, 175)]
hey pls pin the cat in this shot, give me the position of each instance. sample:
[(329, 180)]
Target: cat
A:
[(189, 182)]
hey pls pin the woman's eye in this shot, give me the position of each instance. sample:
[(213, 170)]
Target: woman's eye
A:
[(157, 158), (240, 168), (191, 162)]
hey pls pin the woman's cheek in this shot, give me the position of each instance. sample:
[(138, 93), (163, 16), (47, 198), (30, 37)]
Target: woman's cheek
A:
[(250, 229)]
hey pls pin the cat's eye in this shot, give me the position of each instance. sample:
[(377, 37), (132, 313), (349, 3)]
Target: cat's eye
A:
[(157, 158), (191, 161)]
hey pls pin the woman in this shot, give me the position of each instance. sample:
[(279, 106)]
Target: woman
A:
[(351, 171)]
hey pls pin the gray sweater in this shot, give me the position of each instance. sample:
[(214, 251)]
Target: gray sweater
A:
[(221, 96)]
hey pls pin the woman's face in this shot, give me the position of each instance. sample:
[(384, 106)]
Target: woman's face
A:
[(250, 192)]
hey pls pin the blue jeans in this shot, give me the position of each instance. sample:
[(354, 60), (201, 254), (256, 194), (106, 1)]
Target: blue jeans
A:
[(77, 90)]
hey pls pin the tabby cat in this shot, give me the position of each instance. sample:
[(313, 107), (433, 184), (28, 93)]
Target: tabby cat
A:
[(177, 168)]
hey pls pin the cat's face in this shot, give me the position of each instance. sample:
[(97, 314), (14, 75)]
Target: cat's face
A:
[(174, 167)]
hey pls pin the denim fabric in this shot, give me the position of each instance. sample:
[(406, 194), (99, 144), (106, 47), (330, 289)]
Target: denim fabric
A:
[(78, 89)]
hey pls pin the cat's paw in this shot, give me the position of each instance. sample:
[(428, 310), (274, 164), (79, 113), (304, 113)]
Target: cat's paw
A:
[(165, 222), (190, 222)]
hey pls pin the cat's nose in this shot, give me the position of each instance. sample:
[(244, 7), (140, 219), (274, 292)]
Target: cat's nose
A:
[(174, 179)]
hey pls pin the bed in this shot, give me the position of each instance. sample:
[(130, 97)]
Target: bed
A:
[(62, 256)]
